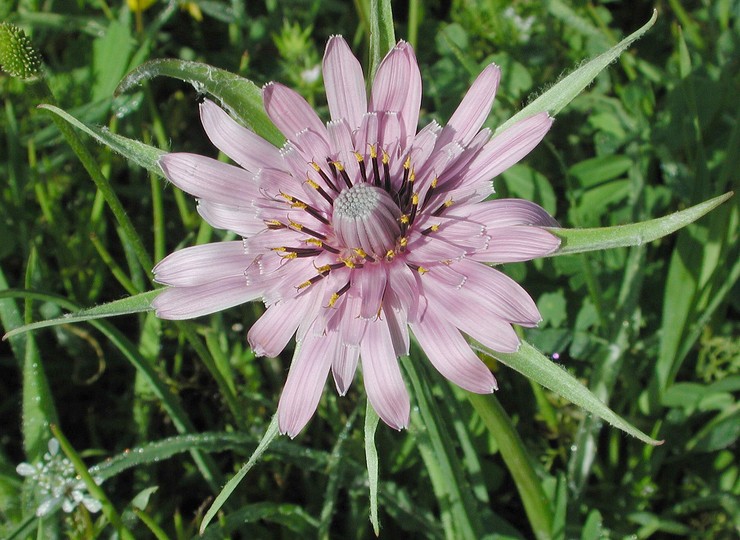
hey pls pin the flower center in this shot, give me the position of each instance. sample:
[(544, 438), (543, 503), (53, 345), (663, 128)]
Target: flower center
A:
[(366, 217)]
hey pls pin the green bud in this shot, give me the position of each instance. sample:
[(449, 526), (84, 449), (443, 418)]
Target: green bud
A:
[(17, 55)]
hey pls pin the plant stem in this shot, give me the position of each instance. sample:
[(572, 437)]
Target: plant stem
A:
[(498, 423)]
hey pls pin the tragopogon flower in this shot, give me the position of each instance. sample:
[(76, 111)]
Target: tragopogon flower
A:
[(56, 483), (359, 229)]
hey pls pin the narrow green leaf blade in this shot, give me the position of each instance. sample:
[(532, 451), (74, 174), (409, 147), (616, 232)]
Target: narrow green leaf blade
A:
[(563, 92), (135, 151), (125, 306), (634, 234), (241, 96), (382, 34), (371, 455), (535, 366), (231, 485)]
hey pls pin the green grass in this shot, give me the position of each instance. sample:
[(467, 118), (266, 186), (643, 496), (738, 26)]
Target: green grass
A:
[(167, 413)]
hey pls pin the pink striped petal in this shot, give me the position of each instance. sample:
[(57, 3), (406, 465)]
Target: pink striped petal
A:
[(242, 145), (397, 88), (209, 179), (396, 316), (272, 331), (383, 381), (344, 83), (370, 282), (352, 327), (515, 244), (242, 220), (448, 351), (344, 366), (505, 213), (290, 112), (202, 264), (507, 148), (188, 302), (475, 107), (305, 383)]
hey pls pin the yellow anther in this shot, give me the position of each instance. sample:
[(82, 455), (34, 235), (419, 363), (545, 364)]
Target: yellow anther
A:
[(404, 218), (289, 256), (333, 300), (407, 163), (281, 248), (323, 269), (315, 241), (412, 176), (312, 183), (386, 158), (415, 199), (338, 165), (449, 202), (296, 226), (359, 157), (315, 166), (434, 227), (361, 252), (422, 270), (304, 285), (434, 182), (298, 204), (403, 241), (348, 263), (373, 152), (286, 196), (274, 222), (390, 254)]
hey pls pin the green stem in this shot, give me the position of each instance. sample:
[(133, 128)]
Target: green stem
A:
[(536, 504)]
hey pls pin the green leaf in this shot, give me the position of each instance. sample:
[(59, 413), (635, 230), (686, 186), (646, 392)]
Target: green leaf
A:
[(564, 91), (382, 35), (269, 436), (535, 366), (634, 234), (125, 306), (135, 151), (241, 96), (371, 455), (111, 53)]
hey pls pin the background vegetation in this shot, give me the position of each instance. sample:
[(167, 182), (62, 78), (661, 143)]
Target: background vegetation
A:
[(171, 411)]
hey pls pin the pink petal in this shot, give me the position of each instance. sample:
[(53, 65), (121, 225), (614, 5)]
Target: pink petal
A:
[(507, 148), (504, 213), (242, 145), (474, 108), (209, 179), (504, 296), (370, 282), (272, 331), (396, 315), (202, 264), (344, 366), (305, 383), (515, 244), (188, 302), (289, 111), (383, 381), (352, 327), (344, 82), (448, 351), (397, 88), (242, 220)]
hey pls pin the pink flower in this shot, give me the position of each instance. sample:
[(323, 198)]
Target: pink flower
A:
[(359, 229)]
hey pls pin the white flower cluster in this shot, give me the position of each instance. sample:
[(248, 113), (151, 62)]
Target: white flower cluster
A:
[(56, 483)]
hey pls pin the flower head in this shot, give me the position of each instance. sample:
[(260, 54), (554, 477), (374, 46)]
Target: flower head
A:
[(359, 229), (57, 483)]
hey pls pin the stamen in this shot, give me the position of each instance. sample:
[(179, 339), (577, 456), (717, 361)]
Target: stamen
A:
[(274, 224), (419, 269), (361, 163), (337, 295), (414, 206), (323, 175), (321, 191), (429, 230), (445, 205), (344, 174), (376, 171), (386, 171)]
